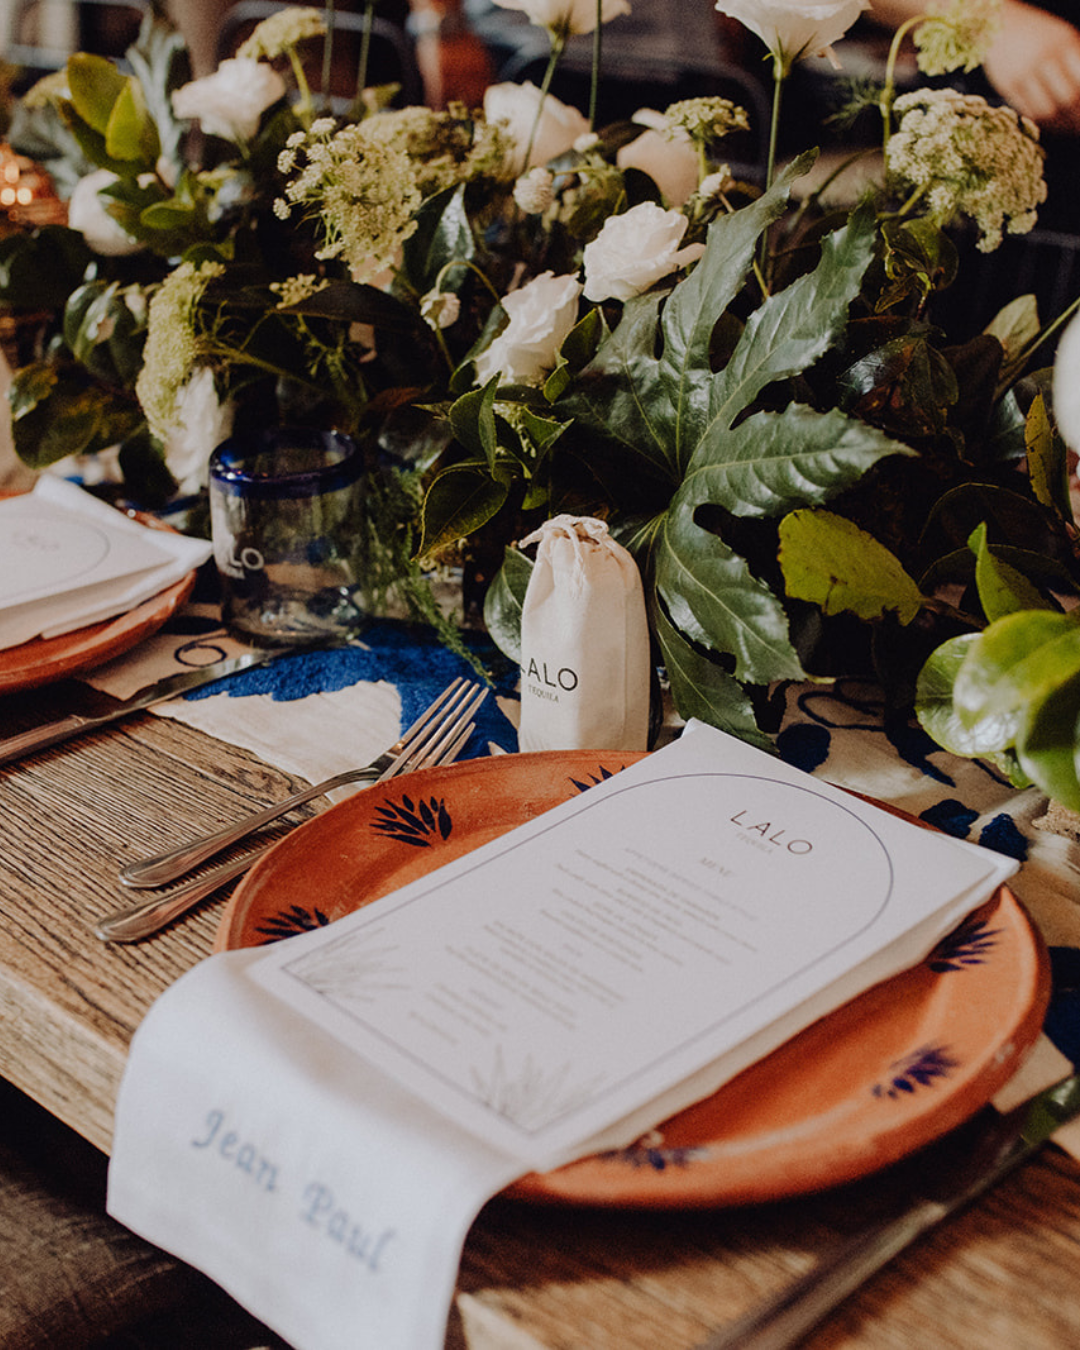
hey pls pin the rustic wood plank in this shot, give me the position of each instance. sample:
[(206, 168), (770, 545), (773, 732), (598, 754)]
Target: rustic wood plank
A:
[(559, 1278)]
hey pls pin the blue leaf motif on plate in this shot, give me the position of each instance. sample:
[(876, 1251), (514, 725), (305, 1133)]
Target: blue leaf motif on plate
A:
[(968, 945), (921, 1069), (596, 778), (288, 922), (419, 823), (658, 1158)]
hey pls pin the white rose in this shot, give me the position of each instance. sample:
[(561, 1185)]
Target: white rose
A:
[(567, 16), (202, 423), (514, 106), (542, 313), (669, 158), (791, 30), (634, 250), (230, 102), (1066, 387), (87, 213)]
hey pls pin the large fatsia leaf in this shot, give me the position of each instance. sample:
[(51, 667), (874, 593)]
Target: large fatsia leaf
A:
[(702, 689), (695, 305), (787, 334), (712, 596), (620, 394), (773, 462)]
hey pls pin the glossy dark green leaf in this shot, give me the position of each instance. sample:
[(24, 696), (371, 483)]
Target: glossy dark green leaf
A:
[(772, 462), (703, 689), (694, 306), (504, 600), (472, 418), (829, 561), (443, 236), (459, 501), (620, 394), (787, 334), (75, 418), (713, 597)]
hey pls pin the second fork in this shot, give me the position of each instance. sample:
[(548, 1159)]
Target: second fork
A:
[(436, 728)]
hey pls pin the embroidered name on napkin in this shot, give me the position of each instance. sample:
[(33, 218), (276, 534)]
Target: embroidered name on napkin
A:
[(560, 990)]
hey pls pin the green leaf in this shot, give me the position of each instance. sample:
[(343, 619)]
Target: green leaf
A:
[(792, 329), (75, 417), (504, 601), (937, 713), (472, 418), (1002, 589), (458, 502), (696, 304), (1048, 466), (620, 394), (443, 235), (39, 269), (829, 561), (772, 462), (1047, 744), (714, 599), (130, 133), (95, 84), (159, 61), (1015, 327), (1016, 663), (702, 689)]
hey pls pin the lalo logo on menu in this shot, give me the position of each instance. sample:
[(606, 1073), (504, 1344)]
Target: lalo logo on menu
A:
[(771, 834), (543, 684)]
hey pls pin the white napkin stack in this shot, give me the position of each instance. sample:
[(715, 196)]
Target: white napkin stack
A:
[(68, 560)]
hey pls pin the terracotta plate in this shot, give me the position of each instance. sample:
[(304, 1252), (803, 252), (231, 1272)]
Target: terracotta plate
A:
[(888, 1073), (47, 659)]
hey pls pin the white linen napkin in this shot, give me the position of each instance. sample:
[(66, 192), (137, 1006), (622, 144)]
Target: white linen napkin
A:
[(68, 560), (347, 1100)]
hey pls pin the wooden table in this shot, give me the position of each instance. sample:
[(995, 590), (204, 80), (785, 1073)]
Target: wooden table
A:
[(1004, 1274)]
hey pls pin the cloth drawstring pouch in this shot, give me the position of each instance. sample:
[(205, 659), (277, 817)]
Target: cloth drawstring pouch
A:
[(585, 660)]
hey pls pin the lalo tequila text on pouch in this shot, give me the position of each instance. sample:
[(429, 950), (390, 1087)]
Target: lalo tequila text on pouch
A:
[(585, 665)]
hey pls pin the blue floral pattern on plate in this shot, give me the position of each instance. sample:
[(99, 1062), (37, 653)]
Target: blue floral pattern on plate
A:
[(923, 1068)]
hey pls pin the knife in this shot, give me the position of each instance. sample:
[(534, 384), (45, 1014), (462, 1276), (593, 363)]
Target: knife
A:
[(994, 1146), (74, 724)]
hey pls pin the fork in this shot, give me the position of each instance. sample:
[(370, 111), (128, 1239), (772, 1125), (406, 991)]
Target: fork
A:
[(150, 916), (432, 731)]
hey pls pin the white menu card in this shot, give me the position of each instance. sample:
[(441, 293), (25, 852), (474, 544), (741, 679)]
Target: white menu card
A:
[(361, 1090)]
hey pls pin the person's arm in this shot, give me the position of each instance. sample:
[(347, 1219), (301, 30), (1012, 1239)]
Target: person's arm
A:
[(454, 63), (1034, 62)]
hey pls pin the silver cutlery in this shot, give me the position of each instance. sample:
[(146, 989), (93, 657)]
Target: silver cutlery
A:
[(987, 1150), (435, 728), (74, 724), (150, 916)]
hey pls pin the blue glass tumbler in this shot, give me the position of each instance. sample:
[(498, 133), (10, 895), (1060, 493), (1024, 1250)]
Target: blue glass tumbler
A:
[(286, 515)]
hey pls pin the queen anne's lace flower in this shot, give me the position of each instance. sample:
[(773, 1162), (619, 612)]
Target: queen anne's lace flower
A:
[(967, 157), (295, 290), (363, 191), (957, 35), (281, 31), (172, 345)]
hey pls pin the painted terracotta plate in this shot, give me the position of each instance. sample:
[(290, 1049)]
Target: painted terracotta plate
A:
[(875, 1080), (47, 659)]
